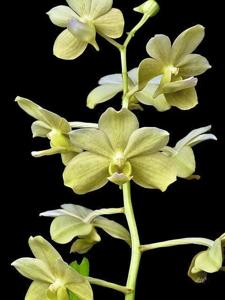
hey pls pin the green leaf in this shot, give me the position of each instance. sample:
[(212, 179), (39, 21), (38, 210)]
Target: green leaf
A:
[(83, 269), (72, 296), (75, 266)]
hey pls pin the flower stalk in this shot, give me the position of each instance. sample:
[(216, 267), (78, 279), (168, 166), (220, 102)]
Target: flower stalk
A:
[(132, 33), (109, 285), (177, 242), (111, 41), (123, 55), (135, 242)]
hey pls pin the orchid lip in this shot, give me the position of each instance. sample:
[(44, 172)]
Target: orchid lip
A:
[(81, 30)]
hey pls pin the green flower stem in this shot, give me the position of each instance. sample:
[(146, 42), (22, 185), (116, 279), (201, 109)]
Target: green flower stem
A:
[(109, 285), (135, 250), (177, 242), (123, 55), (132, 91), (111, 41), (83, 125), (131, 34)]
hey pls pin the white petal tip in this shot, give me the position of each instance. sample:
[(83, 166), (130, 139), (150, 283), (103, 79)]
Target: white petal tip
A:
[(18, 98), (42, 214), (30, 240), (90, 103), (95, 45), (49, 12), (90, 107), (35, 153), (45, 214), (200, 26), (207, 128)]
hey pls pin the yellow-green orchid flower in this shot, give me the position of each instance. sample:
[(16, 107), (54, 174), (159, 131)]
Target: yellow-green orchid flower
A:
[(176, 90), (52, 126), (73, 221), (177, 65), (183, 155), (208, 261), (111, 85), (119, 151), (82, 20), (52, 277)]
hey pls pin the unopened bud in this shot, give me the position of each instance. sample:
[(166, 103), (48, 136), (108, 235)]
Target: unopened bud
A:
[(150, 8)]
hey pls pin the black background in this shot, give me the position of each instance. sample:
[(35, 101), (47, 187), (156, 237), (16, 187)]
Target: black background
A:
[(30, 186)]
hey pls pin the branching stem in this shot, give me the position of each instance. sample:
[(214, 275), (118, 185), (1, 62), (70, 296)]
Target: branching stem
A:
[(109, 285), (177, 242)]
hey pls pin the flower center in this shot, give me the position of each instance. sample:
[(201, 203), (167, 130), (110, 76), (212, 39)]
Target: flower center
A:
[(58, 139), (55, 286), (83, 31), (119, 160), (174, 70), (120, 169)]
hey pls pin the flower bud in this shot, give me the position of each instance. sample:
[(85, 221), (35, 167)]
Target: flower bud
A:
[(150, 8)]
